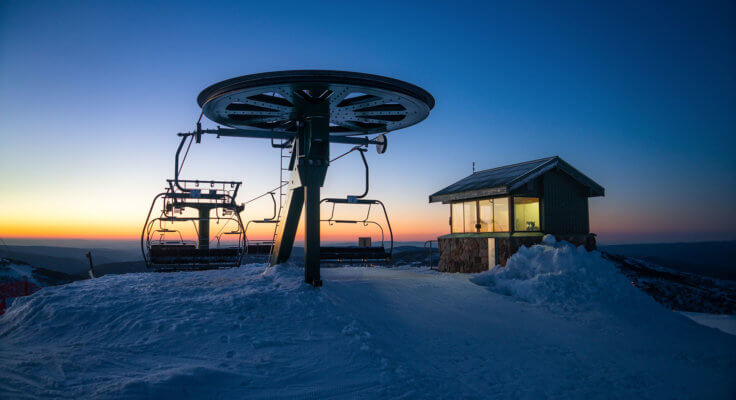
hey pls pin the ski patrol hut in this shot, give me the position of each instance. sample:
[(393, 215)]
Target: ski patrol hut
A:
[(496, 211)]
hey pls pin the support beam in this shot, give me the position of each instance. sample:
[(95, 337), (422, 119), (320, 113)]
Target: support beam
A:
[(311, 236), (288, 223), (310, 158), (204, 228)]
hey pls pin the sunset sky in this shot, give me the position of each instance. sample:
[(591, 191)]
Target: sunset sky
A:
[(639, 97)]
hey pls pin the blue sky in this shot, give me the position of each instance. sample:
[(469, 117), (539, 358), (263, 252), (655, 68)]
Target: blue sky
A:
[(640, 97)]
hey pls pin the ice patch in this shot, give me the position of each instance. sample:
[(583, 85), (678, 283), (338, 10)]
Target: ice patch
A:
[(561, 277)]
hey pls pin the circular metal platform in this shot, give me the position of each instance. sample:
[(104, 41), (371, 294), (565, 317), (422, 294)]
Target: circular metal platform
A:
[(357, 103)]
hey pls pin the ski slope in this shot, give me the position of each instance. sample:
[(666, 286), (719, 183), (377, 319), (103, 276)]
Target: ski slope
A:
[(557, 323)]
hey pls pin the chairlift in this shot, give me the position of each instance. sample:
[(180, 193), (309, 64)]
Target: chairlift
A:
[(260, 247), (365, 251), (162, 253)]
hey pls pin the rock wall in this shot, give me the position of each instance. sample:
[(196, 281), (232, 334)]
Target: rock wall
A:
[(463, 254), (506, 247), (470, 254)]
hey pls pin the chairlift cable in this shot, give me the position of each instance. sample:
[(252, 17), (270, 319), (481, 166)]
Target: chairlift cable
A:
[(223, 227)]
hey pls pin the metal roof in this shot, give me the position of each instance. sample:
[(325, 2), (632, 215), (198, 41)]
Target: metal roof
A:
[(506, 179)]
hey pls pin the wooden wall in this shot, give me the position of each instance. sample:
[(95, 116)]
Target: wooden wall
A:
[(564, 205)]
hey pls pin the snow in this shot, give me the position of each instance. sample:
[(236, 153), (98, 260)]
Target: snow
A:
[(564, 278), (723, 322), (260, 332), (12, 272)]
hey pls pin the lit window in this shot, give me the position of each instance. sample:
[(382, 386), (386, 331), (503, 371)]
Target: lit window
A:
[(526, 214), (457, 217), (485, 215), (501, 214), (470, 216)]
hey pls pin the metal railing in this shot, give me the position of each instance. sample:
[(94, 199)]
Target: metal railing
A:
[(428, 247)]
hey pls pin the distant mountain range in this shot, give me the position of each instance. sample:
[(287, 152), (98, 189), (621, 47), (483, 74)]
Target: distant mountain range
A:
[(677, 290), (715, 259), (70, 260)]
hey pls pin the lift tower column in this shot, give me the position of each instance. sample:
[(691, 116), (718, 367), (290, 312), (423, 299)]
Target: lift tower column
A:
[(310, 158), (310, 109)]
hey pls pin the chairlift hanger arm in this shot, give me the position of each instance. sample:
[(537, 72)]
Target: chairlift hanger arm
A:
[(266, 134), (365, 163), (145, 226), (176, 163)]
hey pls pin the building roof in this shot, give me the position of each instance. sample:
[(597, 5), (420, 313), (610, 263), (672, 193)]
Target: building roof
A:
[(506, 179)]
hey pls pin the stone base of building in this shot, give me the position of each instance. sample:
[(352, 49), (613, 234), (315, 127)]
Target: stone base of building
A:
[(472, 254)]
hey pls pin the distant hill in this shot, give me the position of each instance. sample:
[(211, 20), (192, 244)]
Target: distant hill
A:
[(715, 259), (116, 268), (12, 270), (678, 290), (69, 260)]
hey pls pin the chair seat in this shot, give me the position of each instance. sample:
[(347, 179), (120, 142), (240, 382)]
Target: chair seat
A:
[(353, 253), (259, 248), (167, 254)]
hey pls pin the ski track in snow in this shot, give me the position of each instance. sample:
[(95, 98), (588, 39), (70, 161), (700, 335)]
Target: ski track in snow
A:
[(367, 333)]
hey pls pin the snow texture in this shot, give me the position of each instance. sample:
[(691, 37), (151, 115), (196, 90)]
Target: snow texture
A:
[(564, 278), (12, 272), (557, 323)]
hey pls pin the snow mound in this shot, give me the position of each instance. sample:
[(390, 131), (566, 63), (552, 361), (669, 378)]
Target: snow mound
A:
[(562, 277)]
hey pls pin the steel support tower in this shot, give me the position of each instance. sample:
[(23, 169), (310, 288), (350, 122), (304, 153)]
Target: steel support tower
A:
[(310, 109)]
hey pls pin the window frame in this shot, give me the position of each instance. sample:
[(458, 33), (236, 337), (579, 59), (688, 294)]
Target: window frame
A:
[(539, 214), (477, 226)]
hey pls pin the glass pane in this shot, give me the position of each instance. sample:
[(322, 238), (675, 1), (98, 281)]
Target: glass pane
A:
[(457, 217), (526, 213), (485, 217), (501, 214), (470, 217)]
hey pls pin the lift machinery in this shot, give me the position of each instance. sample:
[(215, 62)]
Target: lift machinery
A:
[(307, 110)]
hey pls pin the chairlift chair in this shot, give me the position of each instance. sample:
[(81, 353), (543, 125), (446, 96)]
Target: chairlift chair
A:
[(163, 254), (365, 254), (260, 248)]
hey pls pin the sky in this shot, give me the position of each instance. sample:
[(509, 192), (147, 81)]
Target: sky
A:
[(638, 96)]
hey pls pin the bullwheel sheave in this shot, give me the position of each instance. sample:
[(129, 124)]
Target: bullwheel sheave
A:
[(357, 103)]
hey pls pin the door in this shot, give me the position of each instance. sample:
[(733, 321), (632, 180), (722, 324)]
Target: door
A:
[(491, 252)]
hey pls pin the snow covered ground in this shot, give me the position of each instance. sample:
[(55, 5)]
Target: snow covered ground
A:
[(557, 322), (724, 322), (11, 272)]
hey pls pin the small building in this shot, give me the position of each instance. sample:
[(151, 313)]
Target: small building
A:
[(496, 211)]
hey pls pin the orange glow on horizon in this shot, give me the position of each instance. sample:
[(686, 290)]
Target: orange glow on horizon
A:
[(126, 231), (28, 221)]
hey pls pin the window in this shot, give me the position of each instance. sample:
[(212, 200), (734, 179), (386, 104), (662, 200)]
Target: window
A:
[(485, 215), (491, 215), (526, 214), (457, 217), (501, 214), (469, 212)]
